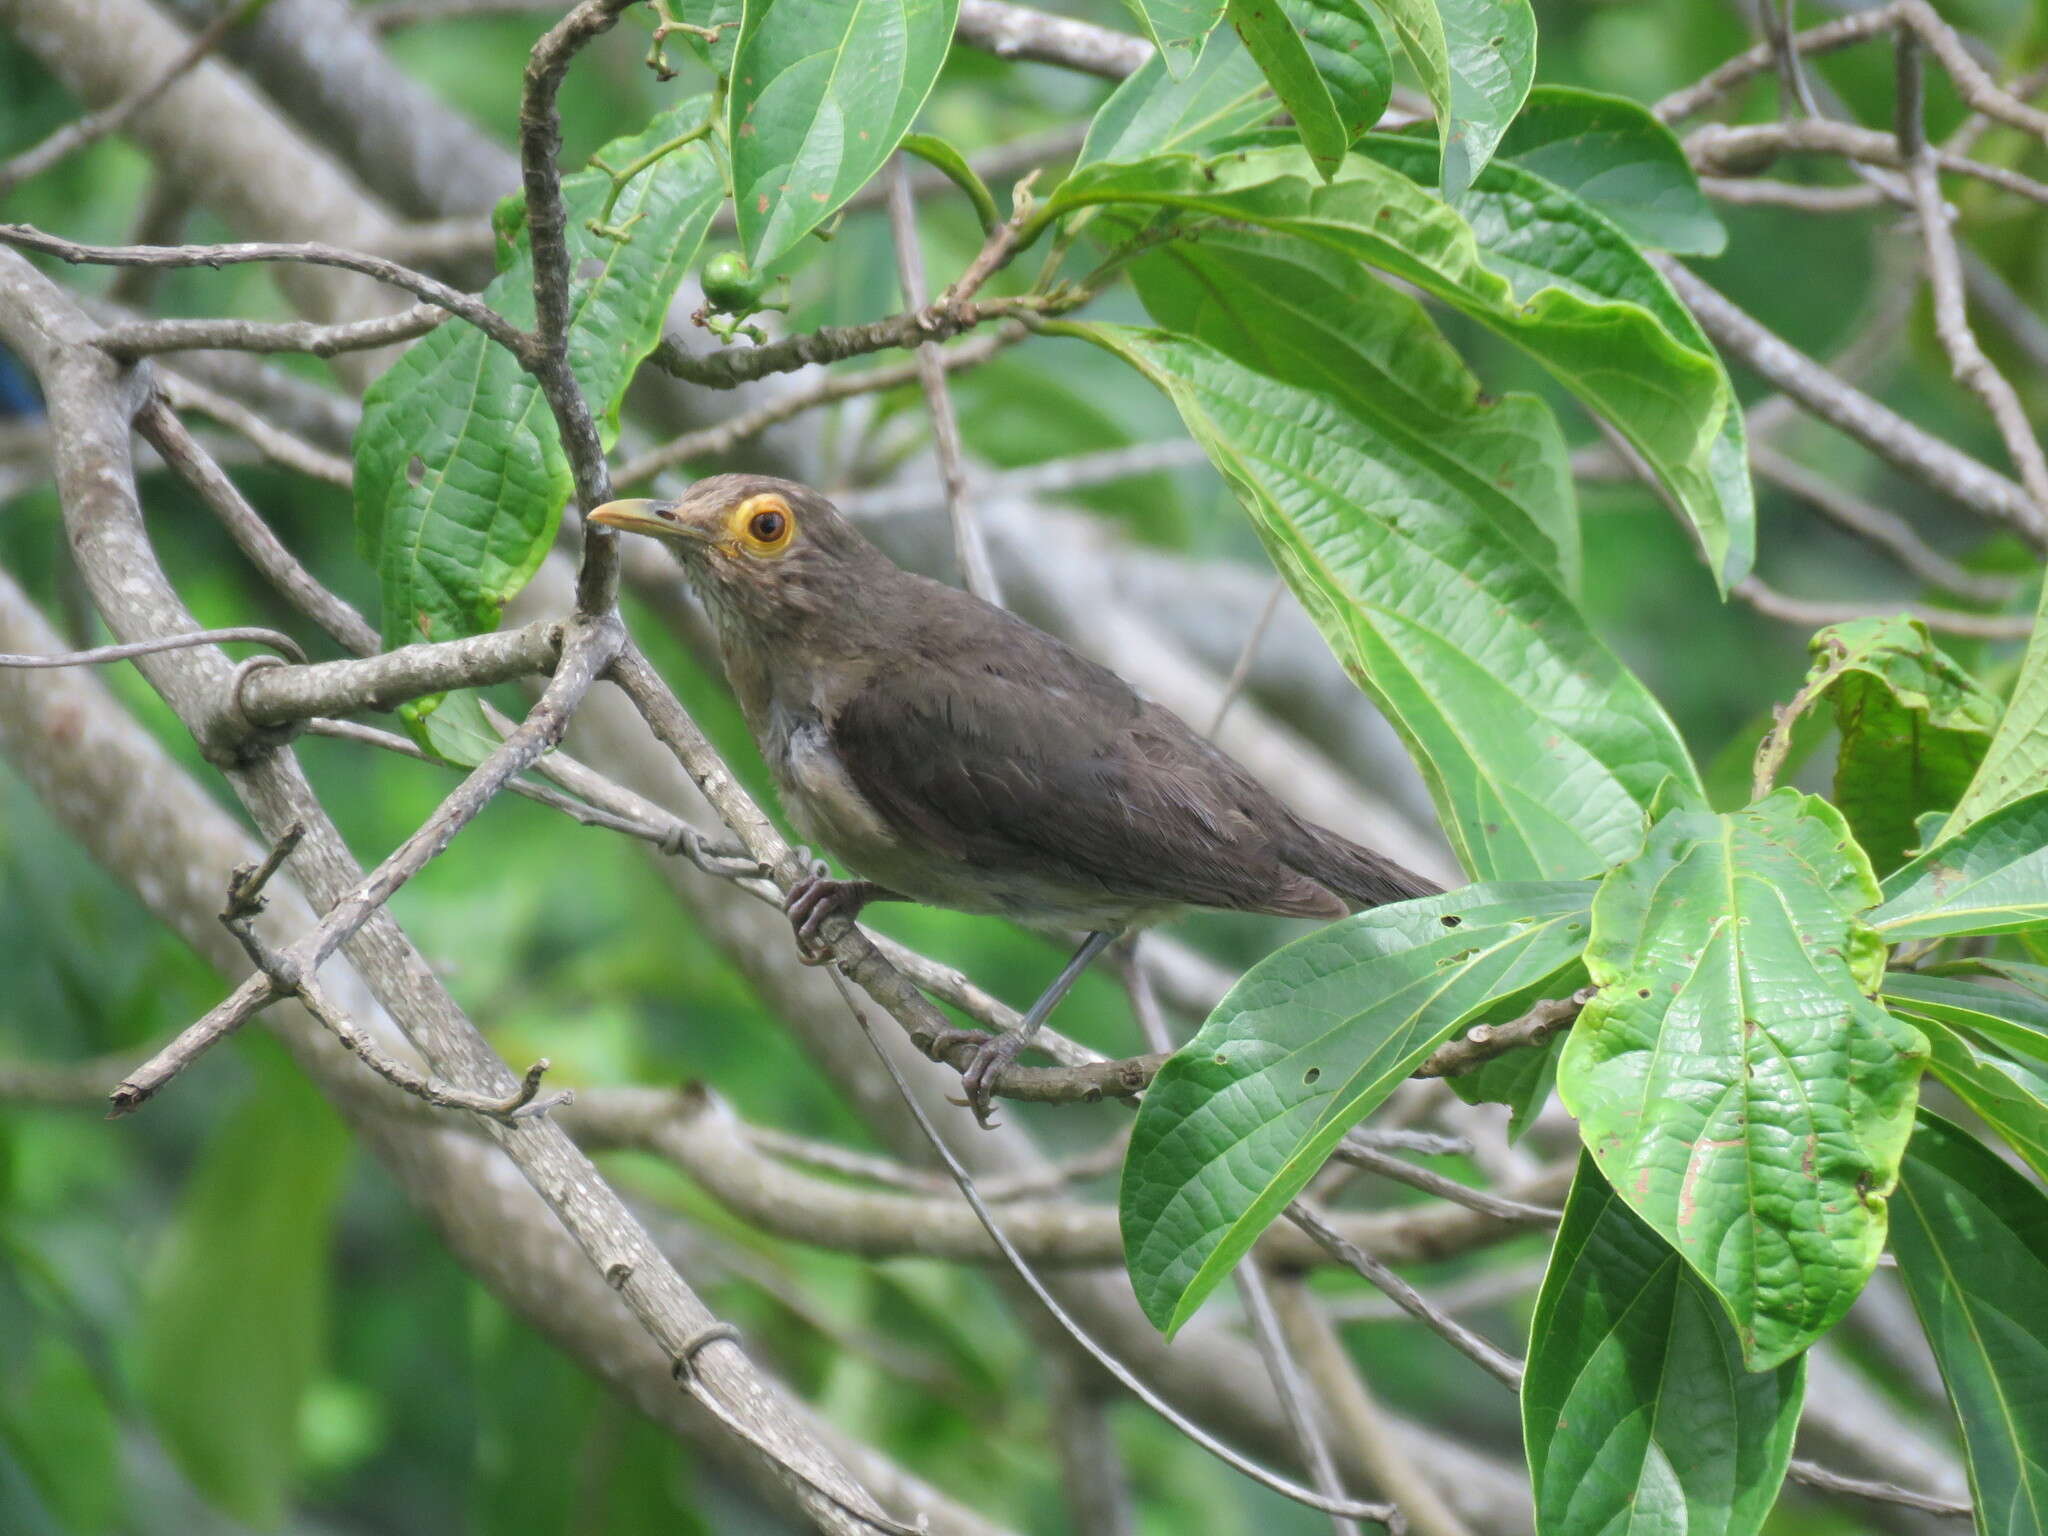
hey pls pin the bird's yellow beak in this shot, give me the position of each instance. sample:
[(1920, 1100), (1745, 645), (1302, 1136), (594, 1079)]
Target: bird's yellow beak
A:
[(639, 515)]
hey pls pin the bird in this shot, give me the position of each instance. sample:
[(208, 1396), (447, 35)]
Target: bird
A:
[(949, 753)]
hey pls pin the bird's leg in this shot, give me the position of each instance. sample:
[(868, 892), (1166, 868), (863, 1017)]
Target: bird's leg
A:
[(998, 1051), (816, 897)]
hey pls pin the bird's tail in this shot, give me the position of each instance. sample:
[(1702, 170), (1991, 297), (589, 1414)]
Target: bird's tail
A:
[(1363, 878)]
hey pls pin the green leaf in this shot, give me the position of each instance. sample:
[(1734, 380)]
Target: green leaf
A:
[(1733, 1078), (1544, 240), (2008, 1020), (2006, 1095), (1522, 1080), (1914, 726), (1990, 878), (1632, 353), (55, 1418), (822, 91), (1637, 1411), (1305, 1045), (940, 155), (1971, 1236), (460, 476), (1177, 28), (234, 1314), (1613, 154), (1541, 750), (1327, 64), (1152, 113), (2016, 763), (1306, 315), (1477, 59)]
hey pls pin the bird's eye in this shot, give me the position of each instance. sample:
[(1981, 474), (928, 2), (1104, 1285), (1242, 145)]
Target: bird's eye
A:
[(763, 524)]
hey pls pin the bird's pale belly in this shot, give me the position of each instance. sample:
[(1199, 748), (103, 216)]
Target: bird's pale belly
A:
[(829, 810)]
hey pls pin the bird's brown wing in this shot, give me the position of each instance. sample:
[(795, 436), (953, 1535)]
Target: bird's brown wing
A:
[(993, 744)]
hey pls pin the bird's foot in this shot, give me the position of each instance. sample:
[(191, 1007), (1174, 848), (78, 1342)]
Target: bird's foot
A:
[(817, 897), (992, 1053)]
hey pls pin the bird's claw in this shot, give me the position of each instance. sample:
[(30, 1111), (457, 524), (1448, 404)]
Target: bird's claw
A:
[(812, 902), (992, 1053)]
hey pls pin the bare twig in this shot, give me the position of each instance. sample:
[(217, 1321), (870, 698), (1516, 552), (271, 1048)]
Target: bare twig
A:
[(1882, 430), (1813, 1475), (1810, 613), (970, 548), (709, 442), (251, 534), (1973, 370), (1019, 32), (1482, 1042), (462, 305), (1879, 527), (540, 143), (1357, 1509), (180, 392), (1354, 1151), (1489, 1357), (100, 655), (1297, 1399), (1241, 669), (139, 338)]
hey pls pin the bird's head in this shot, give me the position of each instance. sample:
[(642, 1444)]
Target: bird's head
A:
[(768, 553)]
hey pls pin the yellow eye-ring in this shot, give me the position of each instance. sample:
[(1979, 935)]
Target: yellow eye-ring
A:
[(763, 524)]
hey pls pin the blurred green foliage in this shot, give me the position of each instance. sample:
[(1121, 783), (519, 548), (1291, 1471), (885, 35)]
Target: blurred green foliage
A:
[(216, 1317)]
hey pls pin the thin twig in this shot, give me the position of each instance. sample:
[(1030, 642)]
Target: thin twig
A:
[(139, 338), (462, 305), (1247, 655), (1882, 430), (970, 547), (1384, 1514), (1813, 1475), (1495, 1361), (1815, 613), (197, 468), (183, 393), (585, 653), (99, 655), (1373, 1160), (710, 442), (1880, 527), (1297, 1400)]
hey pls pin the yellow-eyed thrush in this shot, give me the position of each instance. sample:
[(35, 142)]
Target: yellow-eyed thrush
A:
[(949, 753)]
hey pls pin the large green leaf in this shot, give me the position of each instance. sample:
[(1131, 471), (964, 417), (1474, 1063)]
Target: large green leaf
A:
[(235, 1309), (1971, 1236), (1309, 316), (1914, 727), (1326, 63), (1306, 1044), (1477, 59), (1152, 113), (1598, 316), (460, 477), (1733, 1078), (1615, 155), (1543, 239), (1990, 878), (2016, 763), (822, 90), (1177, 28), (1542, 750), (2011, 1021), (2004, 1093), (1637, 1412)]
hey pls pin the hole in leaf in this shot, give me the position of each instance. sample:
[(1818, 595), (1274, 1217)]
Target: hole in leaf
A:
[(416, 471), (1311, 1074), (1450, 920), (1644, 992)]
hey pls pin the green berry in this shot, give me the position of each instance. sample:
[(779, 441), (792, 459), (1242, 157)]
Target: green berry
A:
[(730, 286)]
